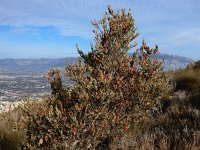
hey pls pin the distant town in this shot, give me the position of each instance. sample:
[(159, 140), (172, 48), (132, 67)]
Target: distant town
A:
[(15, 87)]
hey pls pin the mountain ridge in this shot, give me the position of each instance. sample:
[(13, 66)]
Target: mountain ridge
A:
[(40, 66)]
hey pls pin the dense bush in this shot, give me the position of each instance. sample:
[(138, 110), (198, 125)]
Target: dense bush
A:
[(111, 90), (10, 135), (176, 128), (188, 79), (13, 124), (179, 126), (195, 65)]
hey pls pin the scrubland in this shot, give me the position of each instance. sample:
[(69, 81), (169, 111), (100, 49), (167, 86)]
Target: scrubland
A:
[(117, 101)]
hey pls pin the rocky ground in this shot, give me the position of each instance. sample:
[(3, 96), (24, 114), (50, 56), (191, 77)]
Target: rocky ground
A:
[(10, 105), (6, 105)]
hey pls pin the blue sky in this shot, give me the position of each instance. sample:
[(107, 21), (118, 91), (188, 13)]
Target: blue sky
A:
[(52, 28)]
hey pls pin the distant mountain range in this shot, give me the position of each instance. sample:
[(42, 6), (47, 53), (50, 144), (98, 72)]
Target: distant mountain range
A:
[(42, 65), (173, 62)]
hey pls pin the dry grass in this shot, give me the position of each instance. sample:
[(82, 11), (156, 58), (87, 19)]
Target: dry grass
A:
[(188, 80), (178, 128), (13, 125), (10, 136)]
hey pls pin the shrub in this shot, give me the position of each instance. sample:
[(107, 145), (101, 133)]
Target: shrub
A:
[(188, 80), (111, 90), (195, 65), (13, 123), (10, 136), (178, 128)]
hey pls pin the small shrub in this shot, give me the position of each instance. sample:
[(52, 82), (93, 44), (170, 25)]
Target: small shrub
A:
[(177, 128), (195, 65), (194, 100), (111, 90), (11, 136), (13, 124), (188, 79)]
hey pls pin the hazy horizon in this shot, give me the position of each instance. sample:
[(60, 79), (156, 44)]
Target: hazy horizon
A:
[(77, 55), (51, 29)]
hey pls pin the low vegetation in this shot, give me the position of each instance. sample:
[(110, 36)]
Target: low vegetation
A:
[(117, 101), (189, 79), (10, 136), (13, 124)]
